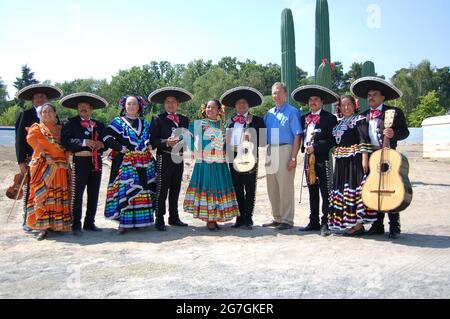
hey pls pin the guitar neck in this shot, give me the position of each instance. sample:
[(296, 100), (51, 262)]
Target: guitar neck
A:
[(387, 142)]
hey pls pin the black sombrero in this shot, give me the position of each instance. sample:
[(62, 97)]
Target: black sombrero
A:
[(253, 96), (27, 93), (303, 93), (361, 88), (159, 96), (71, 101)]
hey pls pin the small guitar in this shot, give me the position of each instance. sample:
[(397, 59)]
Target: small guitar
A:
[(388, 189), (245, 161)]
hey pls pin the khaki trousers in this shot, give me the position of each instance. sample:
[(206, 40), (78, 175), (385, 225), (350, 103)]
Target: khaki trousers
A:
[(280, 183)]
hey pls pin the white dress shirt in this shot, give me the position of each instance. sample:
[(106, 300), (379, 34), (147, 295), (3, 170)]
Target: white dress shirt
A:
[(310, 130), (238, 132), (373, 129)]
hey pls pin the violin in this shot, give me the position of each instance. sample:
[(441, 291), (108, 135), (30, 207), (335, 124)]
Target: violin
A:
[(15, 191), (310, 164)]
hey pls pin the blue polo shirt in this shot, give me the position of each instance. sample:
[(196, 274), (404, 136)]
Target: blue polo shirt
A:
[(287, 119)]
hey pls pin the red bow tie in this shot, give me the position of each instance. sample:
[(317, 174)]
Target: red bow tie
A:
[(374, 114), (240, 119), (174, 118), (88, 124), (313, 119)]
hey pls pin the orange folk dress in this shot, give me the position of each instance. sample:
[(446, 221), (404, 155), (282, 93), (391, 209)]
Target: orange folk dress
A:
[(48, 205)]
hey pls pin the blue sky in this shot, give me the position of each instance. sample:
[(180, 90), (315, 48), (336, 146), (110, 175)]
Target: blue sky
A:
[(68, 39)]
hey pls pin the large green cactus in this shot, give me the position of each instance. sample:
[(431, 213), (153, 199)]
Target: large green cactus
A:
[(322, 33), (288, 65), (367, 70), (323, 78)]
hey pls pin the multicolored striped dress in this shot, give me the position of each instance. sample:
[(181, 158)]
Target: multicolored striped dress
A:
[(131, 190), (48, 205), (210, 196), (347, 208)]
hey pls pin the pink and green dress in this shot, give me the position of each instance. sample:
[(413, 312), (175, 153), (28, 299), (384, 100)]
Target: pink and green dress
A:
[(210, 196)]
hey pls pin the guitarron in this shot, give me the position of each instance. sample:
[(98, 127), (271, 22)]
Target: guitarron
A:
[(388, 189)]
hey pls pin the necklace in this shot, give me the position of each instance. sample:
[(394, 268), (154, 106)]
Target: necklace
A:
[(340, 129)]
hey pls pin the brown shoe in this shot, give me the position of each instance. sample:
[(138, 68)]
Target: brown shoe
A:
[(272, 224), (284, 227)]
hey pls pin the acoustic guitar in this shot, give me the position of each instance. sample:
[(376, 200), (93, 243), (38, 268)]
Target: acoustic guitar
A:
[(245, 160), (388, 189)]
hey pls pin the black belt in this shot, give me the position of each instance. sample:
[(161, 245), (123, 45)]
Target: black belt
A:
[(165, 153)]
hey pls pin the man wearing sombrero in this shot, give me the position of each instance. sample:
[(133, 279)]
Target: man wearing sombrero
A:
[(319, 140), (38, 94), (83, 136), (242, 99), (166, 134), (377, 91)]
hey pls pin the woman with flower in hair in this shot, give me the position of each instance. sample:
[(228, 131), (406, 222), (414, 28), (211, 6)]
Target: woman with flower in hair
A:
[(131, 190), (347, 211), (210, 196)]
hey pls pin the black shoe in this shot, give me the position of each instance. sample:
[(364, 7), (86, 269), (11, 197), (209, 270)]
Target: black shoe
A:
[(310, 228), (161, 227), (92, 228), (375, 230), (238, 223), (284, 227), (325, 231), (394, 233), (77, 232), (42, 235), (178, 223), (27, 229), (248, 226)]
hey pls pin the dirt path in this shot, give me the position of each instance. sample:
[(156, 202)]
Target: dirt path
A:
[(193, 263)]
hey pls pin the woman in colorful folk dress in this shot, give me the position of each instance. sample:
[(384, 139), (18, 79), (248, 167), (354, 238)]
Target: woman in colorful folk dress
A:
[(48, 204), (348, 213), (211, 196), (131, 190)]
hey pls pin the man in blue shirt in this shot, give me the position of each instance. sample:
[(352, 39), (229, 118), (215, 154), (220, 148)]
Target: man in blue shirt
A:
[(284, 138)]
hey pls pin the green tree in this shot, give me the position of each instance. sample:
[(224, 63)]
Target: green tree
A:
[(272, 74), (3, 95), (26, 79), (414, 82), (443, 86), (9, 116), (428, 107), (355, 72), (193, 71), (340, 82), (261, 110)]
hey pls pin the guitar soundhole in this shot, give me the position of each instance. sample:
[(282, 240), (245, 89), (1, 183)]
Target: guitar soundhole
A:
[(385, 167)]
